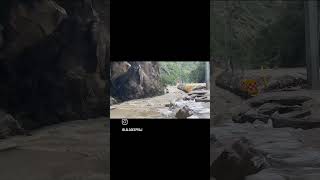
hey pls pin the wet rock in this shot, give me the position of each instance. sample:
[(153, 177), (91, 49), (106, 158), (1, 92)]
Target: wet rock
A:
[(9, 126), (240, 109), (270, 108), (202, 100), (238, 162), (251, 116), (183, 113), (231, 81), (213, 138), (113, 101), (198, 96), (283, 99), (198, 92), (118, 69), (199, 87), (290, 109), (290, 153), (295, 114), (258, 124), (141, 80)]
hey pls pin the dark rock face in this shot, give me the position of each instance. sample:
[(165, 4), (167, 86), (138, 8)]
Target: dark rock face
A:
[(132, 80), (9, 126), (52, 64)]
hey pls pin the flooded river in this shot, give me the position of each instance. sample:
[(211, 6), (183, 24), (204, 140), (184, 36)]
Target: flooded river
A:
[(157, 107)]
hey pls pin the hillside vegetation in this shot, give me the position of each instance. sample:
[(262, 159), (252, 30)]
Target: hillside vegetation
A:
[(184, 72)]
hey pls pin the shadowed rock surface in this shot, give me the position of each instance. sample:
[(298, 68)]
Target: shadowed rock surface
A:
[(53, 57), (53, 60), (134, 80)]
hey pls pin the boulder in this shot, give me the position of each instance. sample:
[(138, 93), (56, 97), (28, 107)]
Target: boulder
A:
[(199, 87), (51, 68), (29, 22), (118, 69), (198, 92), (231, 81), (251, 116), (268, 80), (286, 81), (9, 126), (270, 108), (140, 80), (289, 99), (112, 101), (238, 161), (183, 113), (290, 154)]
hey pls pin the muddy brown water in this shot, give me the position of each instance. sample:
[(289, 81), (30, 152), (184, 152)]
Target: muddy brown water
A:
[(155, 107)]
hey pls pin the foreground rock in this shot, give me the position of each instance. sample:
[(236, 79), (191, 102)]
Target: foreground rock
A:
[(238, 161), (113, 101), (135, 79), (184, 113), (291, 109), (9, 126), (284, 153)]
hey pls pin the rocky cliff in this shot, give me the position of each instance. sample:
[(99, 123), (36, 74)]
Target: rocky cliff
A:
[(135, 79), (53, 57)]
